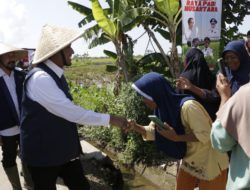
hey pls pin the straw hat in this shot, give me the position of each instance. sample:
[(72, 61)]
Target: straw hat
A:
[(6, 48), (52, 40)]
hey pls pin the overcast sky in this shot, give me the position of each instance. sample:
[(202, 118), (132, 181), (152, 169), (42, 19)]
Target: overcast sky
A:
[(21, 22)]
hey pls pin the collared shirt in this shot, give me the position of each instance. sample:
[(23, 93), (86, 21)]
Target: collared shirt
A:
[(190, 34), (213, 34), (42, 88), (208, 52), (10, 83)]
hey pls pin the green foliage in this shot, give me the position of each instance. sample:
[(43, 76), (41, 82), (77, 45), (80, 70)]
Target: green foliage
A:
[(138, 150), (99, 100), (90, 98), (117, 140), (153, 62), (233, 14), (86, 71), (110, 54), (134, 16), (80, 8), (85, 11), (103, 21), (96, 40), (127, 104), (111, 68), (168, 7), (133, 149), (98, 135), (134, 108)]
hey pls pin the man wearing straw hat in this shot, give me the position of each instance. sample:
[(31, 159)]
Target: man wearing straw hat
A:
[(11, 81), (49, 139)]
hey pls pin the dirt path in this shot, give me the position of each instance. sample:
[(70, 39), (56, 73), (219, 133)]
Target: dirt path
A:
[(95, 182)]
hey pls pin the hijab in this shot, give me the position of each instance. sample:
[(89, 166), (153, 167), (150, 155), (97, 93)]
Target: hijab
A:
[(241, 75), (154, 86), (234, 117), (199, 74), (197, 70)]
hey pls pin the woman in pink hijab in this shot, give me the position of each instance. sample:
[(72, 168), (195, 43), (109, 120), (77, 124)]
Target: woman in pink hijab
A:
[(231, 132)]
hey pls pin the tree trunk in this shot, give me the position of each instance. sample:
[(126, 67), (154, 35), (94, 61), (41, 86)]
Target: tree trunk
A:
[(122, 69), (174, 53), (151, 34)]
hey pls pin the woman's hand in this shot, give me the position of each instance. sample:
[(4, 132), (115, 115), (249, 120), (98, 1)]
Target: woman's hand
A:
[(131, 125), (118, 121), (168, 132), (183, 84), (223, 88)]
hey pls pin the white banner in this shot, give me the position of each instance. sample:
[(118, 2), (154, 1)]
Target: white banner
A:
[(201, 19)]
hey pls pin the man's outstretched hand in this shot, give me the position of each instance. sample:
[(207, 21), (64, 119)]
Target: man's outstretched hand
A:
[(119, 122)]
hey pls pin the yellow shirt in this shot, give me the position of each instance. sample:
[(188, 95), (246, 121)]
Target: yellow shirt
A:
[(201, 160)]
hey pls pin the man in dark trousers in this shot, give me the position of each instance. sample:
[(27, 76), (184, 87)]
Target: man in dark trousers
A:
[(49, 139), (11, 81)]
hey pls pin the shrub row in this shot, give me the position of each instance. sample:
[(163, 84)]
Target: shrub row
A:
[(128, 104)]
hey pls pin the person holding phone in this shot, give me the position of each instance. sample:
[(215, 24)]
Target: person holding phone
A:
[(186, 121), (222, 68), (237, 64), (198, 81), (157, 121), (230, 132)]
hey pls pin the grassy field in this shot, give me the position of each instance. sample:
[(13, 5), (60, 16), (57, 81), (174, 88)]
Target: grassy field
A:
[(88, 71)]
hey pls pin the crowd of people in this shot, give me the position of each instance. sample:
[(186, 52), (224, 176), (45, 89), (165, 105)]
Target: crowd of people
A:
[(205, 117), (37, 108)]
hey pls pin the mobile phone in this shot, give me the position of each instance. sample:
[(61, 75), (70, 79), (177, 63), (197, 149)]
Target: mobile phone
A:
[(157, 121), (221, 65)]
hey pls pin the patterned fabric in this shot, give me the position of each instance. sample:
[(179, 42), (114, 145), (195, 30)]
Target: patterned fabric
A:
[(201, 160)]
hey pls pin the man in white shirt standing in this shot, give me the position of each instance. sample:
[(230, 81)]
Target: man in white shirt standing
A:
[(213, 33), (11, 81), (190, 32), (207, 51), (49, 139)]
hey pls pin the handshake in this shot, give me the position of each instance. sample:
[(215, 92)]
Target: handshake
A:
[(123, 123)]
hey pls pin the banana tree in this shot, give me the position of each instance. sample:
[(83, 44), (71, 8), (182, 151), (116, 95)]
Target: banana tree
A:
[(165, 13), (108, 29), (113, 31), (171, 14)]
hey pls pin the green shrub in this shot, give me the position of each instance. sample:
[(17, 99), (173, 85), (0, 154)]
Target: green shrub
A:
[(111, 68), (127, 104), (136, 149)]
